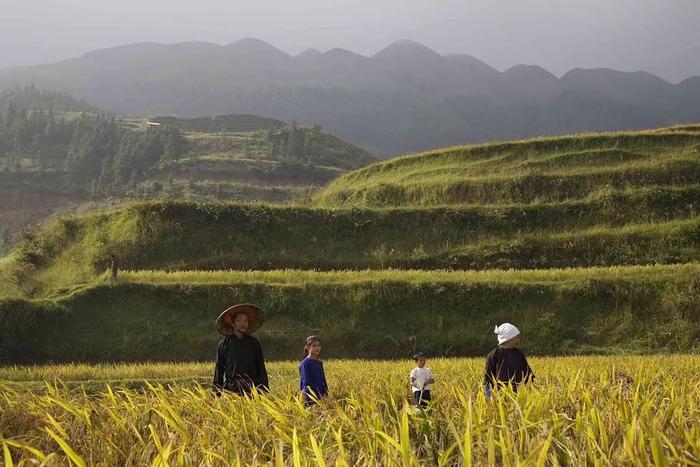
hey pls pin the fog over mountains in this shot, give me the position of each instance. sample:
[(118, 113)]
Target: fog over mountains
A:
[(406, 97)]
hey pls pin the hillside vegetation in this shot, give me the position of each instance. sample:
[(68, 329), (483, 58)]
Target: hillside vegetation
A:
[(220, 123), (235, 159), (58, 153), (545, 170), (160, 316), (603, 267), (181, 236), (593, 200)]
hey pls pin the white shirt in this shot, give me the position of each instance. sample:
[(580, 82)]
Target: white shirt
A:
[(420, 376)]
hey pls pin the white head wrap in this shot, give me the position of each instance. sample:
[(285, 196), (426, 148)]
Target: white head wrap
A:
[(506, 332)]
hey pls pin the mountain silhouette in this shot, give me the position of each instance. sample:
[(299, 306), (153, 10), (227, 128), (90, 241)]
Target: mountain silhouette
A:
[(406, 97)]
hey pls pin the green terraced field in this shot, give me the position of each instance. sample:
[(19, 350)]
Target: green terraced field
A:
[(279, 163), (590, 243), (155, 315), (531, 171)]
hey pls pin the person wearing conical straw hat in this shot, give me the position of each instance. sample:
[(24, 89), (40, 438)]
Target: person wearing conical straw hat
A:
[(240, 365), (506, 364)]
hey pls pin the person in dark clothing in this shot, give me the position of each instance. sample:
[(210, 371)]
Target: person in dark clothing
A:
[(240, 365), (113, 269), (312, 378), (506, 364)]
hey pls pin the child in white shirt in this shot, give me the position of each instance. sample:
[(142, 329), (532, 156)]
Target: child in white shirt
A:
[(421, 377)]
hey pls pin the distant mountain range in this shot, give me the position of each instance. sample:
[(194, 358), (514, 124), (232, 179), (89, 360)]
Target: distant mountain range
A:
[(405, 98)]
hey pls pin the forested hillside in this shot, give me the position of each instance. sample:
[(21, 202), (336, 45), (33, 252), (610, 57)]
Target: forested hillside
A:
[(57, 152)]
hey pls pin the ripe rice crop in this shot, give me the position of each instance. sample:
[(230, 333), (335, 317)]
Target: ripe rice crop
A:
[(626, 410)]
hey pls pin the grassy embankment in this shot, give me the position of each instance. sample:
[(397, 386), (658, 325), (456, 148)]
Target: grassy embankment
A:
[(583, 202), (169, 316), (540, 170), (656, 227)]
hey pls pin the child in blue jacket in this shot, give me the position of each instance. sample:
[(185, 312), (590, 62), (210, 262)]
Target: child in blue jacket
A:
[(312, 382)]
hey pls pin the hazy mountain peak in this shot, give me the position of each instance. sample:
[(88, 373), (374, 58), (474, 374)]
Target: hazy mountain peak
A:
[(610, 74), (406, 49), (690, 82), (337, 52), (251, 45), (530, 83), (308, 53), (194, 46), (529, 71), (136, 47), (471, 62)]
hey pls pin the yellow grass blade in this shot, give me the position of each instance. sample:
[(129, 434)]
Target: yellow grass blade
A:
[(6, 453), (72, 455)]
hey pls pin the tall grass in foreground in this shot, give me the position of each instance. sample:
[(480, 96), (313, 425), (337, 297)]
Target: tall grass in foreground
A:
[(583, 410)]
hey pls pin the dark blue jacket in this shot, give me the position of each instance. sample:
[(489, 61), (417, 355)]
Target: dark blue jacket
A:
[(507, 366), (312, 378)]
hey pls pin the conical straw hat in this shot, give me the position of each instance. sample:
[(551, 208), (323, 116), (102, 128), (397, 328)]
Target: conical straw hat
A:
[(256, 317)]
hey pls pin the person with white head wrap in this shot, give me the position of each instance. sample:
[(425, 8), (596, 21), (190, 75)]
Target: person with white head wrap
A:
[(506, 364), (506, 332)]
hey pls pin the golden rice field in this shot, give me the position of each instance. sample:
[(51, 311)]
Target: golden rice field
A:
[(623, 410)]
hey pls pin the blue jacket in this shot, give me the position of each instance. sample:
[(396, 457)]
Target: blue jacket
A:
[(312, 378)]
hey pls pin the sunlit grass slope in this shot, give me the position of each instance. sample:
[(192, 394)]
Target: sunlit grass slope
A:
[(531, 171), (649, 227), (589, 243)]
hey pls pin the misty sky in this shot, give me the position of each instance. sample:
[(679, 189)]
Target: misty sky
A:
[(661, 36)]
